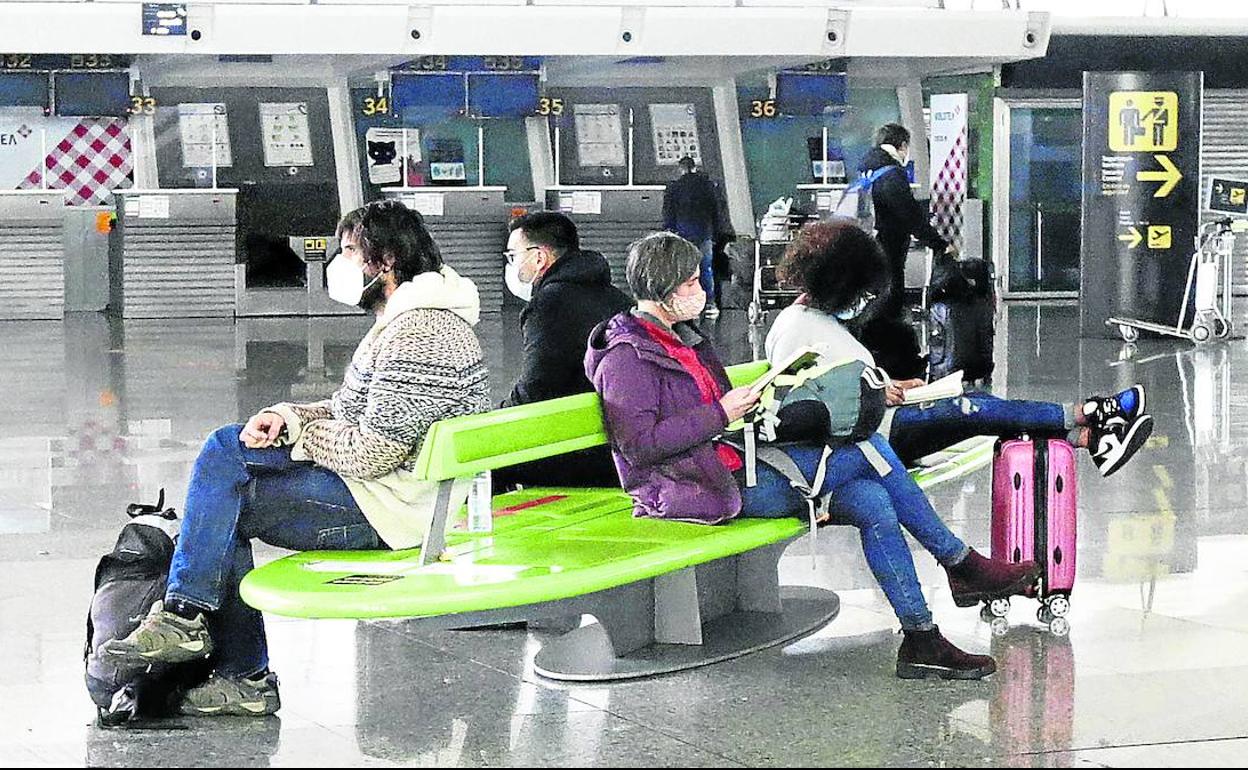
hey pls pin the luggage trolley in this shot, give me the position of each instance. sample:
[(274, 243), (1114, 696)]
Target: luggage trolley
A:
[(776, 230), (1208, 289)]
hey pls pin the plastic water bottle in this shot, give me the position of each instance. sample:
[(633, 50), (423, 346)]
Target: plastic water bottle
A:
[(481, 504)]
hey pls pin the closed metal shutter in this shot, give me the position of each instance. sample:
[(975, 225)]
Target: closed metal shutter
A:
[(1224, 152), (628, 213), (182, 266), (613, 238), (474, 249), (32, 255)]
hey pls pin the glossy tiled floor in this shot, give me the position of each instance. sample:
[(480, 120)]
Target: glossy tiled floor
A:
[(97, 414)]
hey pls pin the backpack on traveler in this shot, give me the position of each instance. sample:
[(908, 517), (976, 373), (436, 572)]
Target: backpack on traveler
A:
[(128, 581), (829, 403), (857, 202)]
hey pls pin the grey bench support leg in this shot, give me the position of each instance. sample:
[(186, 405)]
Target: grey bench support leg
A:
[(435, 536), (687, 619)]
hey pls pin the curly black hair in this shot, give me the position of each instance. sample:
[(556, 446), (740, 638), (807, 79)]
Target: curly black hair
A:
[(834, 262), (388, 230)]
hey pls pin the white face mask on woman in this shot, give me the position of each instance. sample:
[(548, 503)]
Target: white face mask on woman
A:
[(855, 310), (686, 307), (344, 281)]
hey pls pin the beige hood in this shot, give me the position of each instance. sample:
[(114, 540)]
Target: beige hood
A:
[(443, 290)]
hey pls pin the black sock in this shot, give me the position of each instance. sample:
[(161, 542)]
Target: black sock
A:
[(183, 609)]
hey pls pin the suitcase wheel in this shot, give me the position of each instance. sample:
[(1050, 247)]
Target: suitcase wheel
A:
[(1059, 606), (998, 608)]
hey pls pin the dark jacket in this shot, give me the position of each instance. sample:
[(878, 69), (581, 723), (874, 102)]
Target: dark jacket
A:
[(572, 298), (691, 207), (897, 214), (568, 302), (661, 431)]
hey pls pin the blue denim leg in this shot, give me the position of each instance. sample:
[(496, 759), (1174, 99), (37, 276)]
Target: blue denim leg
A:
[(708, 270), (921, 429), (878, 507), (237, 494)]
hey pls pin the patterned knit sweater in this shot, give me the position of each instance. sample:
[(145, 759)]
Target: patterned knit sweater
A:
[(420, 363)]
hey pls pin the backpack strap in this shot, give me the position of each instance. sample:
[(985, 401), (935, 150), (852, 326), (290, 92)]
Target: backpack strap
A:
[(817, 505)]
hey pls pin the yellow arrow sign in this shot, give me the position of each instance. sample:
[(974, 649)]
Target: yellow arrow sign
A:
[(1169, 176), (1134, 238)]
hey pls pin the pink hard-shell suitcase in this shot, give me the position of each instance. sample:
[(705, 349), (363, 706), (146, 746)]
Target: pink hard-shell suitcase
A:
[(1034, 515)]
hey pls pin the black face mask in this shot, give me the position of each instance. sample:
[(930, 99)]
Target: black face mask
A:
[(374, 296)]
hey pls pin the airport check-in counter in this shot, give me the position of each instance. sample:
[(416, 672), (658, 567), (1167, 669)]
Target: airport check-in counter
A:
[(174, 253), (609, 219), (32, 254), (469, 224), (310, 298)]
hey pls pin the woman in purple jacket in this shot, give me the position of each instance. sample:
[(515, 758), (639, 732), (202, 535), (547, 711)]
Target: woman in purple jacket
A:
[(667, 399)]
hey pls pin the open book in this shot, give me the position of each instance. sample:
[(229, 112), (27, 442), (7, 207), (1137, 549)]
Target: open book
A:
[(800, 358), (945, 387)]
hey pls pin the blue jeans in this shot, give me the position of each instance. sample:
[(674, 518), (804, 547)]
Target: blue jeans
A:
[(921, 429), (707, 248), (879, 506), (237, 494)]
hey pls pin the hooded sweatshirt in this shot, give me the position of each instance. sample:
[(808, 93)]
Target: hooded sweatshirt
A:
[(420, 363)]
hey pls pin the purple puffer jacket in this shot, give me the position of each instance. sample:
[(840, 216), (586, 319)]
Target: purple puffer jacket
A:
[(660, 429)]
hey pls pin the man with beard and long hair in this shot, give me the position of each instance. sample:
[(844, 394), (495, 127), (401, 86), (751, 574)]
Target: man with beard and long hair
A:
[(334, 475)]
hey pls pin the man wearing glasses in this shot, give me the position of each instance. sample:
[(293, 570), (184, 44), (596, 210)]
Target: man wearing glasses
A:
[(568, 292)]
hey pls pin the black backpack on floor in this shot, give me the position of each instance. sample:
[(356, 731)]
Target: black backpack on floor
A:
[(128, 582)]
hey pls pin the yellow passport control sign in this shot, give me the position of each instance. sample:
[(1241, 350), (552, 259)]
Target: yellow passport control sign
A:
[(1143, 121)]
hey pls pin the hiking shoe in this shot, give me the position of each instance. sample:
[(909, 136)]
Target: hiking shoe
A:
[(929, 653), (1116, 410), (1111, 447), (162, 637), (977, 579), (223, 696)]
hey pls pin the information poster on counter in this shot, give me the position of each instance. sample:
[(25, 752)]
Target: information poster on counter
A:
[(287, 137), (387, 148), (599, 135), (201, 127), (675, 130)]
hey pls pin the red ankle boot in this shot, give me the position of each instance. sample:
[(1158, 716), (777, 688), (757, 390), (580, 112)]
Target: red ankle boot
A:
[(928, 653), (977, 579)]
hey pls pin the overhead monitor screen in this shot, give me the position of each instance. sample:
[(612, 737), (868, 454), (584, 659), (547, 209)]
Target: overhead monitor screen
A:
[(809, 95), (24, 89), (503, 96), (429, 97), (92, 94)]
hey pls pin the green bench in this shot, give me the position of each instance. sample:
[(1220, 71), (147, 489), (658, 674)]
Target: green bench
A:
[(667, 595)]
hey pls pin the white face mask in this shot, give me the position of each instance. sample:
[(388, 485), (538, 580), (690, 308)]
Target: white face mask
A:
[(344, 280), (850, 313), (686, 307), (516, 286)]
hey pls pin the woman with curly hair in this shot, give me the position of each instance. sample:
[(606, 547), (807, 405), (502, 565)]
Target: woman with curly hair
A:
[(666, 401), (840, 269)]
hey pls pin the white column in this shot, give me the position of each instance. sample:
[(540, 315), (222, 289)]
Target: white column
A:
[(541, 160), (346, 148), (732, 153), (910, 100)]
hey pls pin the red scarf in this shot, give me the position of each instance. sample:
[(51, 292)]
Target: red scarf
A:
[(708, 387)]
